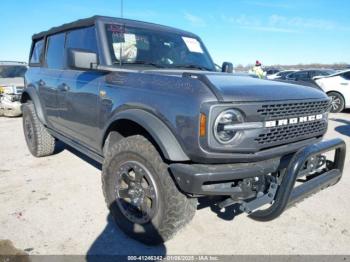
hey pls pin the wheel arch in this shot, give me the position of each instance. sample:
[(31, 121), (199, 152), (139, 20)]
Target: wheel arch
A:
[(138, 121), (340, 93), (30, 94)]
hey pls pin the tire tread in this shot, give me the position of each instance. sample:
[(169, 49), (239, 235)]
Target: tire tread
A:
[(45, 143), (179, 209)]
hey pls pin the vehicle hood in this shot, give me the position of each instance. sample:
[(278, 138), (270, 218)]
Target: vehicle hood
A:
[(231, 87), (235, 88), (15, 81)]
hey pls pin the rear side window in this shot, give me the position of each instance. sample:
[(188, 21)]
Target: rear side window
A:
[(323, 73), (84, 38), (346, 75), (55, 51), (37, 51)]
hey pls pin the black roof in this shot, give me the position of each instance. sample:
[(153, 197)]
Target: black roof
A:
[(92, 20)]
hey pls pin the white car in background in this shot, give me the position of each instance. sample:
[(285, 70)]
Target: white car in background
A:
[(280, 75), (11, 87), (337, 86)]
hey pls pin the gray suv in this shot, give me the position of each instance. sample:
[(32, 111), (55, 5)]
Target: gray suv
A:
[(146, 101)]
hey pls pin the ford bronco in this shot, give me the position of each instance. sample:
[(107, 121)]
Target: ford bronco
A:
[(147, 102)]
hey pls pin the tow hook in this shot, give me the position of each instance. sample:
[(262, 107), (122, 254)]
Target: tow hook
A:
[(267, 198)]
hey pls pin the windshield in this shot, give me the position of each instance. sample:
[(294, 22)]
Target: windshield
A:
[(12, 71), (137, 46)]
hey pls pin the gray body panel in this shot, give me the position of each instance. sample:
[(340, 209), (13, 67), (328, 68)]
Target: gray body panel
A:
[(167, 103)]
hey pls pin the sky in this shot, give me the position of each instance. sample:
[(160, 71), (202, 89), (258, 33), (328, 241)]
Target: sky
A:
[(238, 31)]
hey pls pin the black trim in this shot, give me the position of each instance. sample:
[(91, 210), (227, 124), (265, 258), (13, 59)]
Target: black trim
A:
[(32, 93), (287, 194), (159, 131), (192, 177), (92, 21)]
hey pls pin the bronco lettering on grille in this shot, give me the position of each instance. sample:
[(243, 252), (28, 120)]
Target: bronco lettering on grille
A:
[(294, 120)]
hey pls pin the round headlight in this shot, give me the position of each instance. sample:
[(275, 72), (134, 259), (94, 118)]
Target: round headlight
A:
[(225, 119)]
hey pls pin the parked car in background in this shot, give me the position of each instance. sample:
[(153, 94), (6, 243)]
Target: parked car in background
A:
[(337, 86), (306, 77), (11, 87), (280, 74), (271, 71)]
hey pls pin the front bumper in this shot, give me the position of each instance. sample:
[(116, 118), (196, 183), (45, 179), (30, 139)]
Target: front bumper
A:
[(201, 179), (210, 179)]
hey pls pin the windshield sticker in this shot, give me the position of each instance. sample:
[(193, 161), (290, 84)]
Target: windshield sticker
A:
[(193, 45), (127, 51), (116, 28)]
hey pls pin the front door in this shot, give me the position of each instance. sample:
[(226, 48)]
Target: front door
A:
[(78, 105)]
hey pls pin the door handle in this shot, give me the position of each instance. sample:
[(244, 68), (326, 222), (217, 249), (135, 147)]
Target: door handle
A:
[(344, 84), (63, 87)]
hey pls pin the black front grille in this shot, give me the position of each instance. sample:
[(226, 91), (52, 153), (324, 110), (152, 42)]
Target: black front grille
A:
[(279, 135), (284, 110)]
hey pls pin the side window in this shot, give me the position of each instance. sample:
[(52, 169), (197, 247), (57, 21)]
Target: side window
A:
[(37, 51), (55, 51), (84, 38), (315, 73), (301, 75), (346, 75), (323, 73)]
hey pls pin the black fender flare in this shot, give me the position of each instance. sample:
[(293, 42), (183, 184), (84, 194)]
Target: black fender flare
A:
[(31, 92), (160, 132)]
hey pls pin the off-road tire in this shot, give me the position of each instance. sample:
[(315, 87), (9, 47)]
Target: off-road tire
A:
[(340, 105), (40, 143), (175, 209)]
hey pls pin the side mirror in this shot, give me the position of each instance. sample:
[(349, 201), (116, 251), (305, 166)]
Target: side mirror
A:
[(82, 59), (227, 67)]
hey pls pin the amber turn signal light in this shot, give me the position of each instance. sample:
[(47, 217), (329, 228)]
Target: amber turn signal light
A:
[(203, 125)]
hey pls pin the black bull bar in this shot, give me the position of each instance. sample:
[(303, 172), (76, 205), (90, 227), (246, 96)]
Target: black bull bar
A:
[(287, 194)]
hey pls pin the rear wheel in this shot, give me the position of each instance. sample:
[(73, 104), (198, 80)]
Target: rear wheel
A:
[(141, 194), (338, 103), (39, 141)]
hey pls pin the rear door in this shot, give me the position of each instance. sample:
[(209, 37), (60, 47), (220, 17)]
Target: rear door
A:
[(78, 92), (51, 73)]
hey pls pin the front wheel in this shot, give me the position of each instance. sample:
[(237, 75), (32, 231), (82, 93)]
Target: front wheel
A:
[(140, 193), (338, 103)]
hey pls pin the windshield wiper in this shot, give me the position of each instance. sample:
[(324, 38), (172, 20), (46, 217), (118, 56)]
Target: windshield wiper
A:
[(140, 62), (193, 67)]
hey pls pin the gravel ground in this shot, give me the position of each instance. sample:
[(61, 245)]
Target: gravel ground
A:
[(54, 205)]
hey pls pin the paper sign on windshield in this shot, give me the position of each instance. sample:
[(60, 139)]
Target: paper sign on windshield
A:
[(193, 45)]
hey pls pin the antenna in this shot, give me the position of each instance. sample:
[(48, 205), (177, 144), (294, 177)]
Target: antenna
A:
[(121, 44)]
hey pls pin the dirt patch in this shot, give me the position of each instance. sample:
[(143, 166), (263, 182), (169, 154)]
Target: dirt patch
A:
[(7, 249)]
